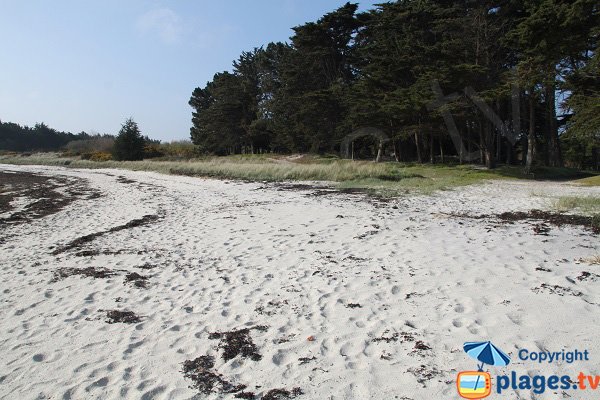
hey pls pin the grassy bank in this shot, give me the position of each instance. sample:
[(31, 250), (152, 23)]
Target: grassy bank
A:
[(586, 205), (387, 179)]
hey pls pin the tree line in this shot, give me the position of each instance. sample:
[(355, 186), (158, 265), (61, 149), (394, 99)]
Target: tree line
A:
[(515, 81), (128, 145), (40, 137)]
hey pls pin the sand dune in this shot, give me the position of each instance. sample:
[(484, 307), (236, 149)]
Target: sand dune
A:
[(387, 292)]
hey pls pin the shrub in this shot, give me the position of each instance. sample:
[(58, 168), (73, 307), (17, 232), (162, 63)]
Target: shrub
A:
[(152, 151), (179, 149), (100, 156), (129, 144), (102, 144)]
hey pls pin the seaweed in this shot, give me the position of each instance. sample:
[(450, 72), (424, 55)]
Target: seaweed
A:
[(238, 343)]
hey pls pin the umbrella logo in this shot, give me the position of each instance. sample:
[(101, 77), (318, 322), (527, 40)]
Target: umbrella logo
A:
[(478, 384)]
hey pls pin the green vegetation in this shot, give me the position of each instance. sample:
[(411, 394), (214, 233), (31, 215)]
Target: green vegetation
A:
[(129, 144), (14, 137), (403, 69), (382, 179), (587, 205), (591, 181), (381, 69)]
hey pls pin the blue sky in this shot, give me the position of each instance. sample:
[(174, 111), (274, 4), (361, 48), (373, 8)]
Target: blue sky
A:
[(87, 64)]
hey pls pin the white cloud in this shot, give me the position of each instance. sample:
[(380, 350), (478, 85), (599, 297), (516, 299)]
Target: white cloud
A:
[(163, 22)]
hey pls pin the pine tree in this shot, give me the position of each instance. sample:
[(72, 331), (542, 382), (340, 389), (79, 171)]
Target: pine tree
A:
[(129, 144)]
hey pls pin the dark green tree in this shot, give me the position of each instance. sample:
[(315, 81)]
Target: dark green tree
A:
[(308, 109), (220, 114), (379, 68), (41, 137), (129, 143)]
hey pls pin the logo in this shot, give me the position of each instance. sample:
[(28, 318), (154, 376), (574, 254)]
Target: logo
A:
[(474, 384), (478, 384)]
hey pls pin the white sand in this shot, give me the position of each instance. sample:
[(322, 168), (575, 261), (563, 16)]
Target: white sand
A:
[(231, 255)]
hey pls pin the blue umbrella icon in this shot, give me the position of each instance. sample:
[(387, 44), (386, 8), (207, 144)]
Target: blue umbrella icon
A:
[(486, 353)]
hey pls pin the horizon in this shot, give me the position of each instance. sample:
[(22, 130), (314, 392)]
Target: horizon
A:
[(145, 67)]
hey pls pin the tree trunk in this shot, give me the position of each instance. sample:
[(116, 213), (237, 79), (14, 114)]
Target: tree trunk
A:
[(554, 154), (546, 148), (490, 157), (468, 141), (481, 143), (441, 152), (530, 134), (396, 151), (379, 151), (431, 148), (498, 146), (418, 142)]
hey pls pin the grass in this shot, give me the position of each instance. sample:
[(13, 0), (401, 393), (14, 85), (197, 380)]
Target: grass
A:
[(591, 181), (421, 179), (548, 173), (593, 260), (384, 179), (586, 204)]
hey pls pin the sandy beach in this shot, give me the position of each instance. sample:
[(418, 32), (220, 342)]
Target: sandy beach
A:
[(129, 285)]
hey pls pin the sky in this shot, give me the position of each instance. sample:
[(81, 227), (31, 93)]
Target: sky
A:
[(87, 65)]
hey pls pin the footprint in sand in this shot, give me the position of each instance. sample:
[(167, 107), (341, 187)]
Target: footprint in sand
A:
[(102, 382), (279, 358), (515, 318)]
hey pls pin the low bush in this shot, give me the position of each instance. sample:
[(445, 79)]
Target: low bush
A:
[(153, 151)]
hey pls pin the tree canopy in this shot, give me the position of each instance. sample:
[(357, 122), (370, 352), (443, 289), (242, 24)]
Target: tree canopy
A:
[(129, 144), (428, 73), (14, 137)]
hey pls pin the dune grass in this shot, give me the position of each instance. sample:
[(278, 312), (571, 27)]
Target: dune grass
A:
[(383, 179), (591, 181), (593, 260), (585, 204)]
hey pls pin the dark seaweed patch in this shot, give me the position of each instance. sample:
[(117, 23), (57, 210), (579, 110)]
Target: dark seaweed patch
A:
[(588, 276), (89, 272), (206, 381), (402, 336), (42, 191), (125, 317), (145, 220), (282, 394), (556, 289), (424, 373), (122, 179), (138, 280), (306, 360), (556, 219), (245, 395), (238, 343)]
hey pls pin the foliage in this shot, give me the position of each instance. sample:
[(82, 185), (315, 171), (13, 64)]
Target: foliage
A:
[(587, 204), (179, 149), (96, 143), (97, 156), (377, 68), (129, 144), (14, 137), (152, 150)]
